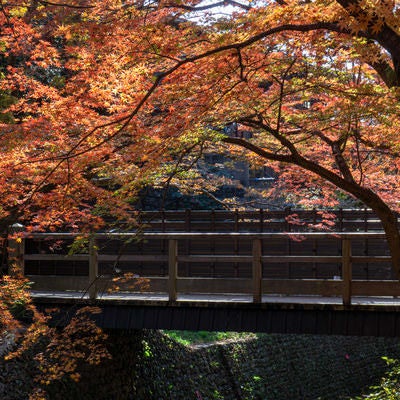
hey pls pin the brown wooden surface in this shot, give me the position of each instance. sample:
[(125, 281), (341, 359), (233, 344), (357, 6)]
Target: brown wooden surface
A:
[(264, 272), (172, 269), (212, 261), (255, 220), (346, 271), (276, 314), (257, 270), (302, 287), (93, 268)]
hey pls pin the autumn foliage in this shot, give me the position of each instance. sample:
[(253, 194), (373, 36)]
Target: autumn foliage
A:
[(97, 94), (99, 98)]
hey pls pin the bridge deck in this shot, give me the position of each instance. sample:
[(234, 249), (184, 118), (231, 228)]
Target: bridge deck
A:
[(388, 302), (372, 316)]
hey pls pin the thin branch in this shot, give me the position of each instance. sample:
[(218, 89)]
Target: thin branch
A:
[(249, 203), (287, 158), (360, 167), (216, 199), (50, 3), (282, 94), (241, 66), (341, 162), (208, 6), (183, 154), (274, 132)]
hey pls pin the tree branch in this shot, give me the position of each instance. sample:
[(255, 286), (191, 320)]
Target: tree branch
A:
[(388, 38), (208, 6), (341, 162), (50, 3), (286, 158)]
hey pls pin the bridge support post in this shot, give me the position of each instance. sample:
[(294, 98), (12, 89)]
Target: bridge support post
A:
[(93, 268), (257, 270), (16, 251), (346, 271), (172, 268)]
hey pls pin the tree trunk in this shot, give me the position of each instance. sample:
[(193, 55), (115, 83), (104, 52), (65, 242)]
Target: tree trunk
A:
[(387, 217), (367, 196), (391, 228), (370, 199)]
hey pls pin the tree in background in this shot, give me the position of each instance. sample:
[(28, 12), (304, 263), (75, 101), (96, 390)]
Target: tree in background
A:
[(98, 94)]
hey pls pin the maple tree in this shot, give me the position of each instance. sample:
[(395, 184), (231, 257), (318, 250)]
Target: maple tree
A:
[(101, 97), (96, 95)]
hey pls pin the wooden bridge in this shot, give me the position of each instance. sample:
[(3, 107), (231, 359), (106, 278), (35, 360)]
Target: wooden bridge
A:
[(305, 282)]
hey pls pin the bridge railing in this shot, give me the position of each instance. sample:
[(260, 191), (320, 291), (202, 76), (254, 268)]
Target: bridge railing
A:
[(173, 285), (288, 219)]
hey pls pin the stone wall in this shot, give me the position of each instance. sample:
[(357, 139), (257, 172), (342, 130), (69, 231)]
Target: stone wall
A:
[(149, 365)]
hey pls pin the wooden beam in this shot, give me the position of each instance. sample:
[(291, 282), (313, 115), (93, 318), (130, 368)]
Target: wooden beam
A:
[(215, 285), (172, 269), (93, 268), (375, 288), (59, 283), (301, 259), (57, 257), (153, 284), (257, 270), (211, 235), (205, 258), (346, 271), (317, 287), (211, 258), (132, 258)]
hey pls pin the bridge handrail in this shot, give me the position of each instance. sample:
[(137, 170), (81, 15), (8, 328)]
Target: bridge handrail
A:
[(344, 285), (196, 235)]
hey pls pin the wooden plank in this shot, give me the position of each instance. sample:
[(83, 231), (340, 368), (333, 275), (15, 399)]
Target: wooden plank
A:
[(346, 271), (172, 268), (132, 257), (212, 235), (81, 283), (215, 285), (224, 285), (376, 288), (206, 258), (257, 270), (93, 268), (318, 287), (146, 284), (215, 258), (370, 259), (59, 283), (358, 218), (101, 257), (56, 257), (303, 259)]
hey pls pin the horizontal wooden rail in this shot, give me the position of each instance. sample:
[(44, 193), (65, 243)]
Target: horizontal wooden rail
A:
[(257, 285), (212, 235), (256, 220)]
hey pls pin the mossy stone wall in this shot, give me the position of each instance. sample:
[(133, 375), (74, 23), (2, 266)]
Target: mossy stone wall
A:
[(148, 365)]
